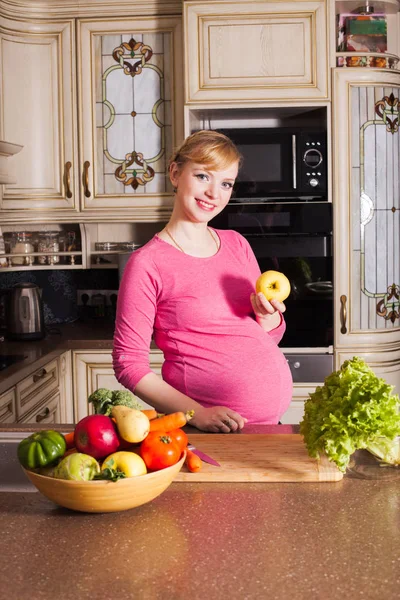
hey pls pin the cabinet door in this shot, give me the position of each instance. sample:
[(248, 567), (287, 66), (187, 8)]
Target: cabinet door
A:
[(131, 115), (366, 210), (295, 412), (238, 51), (93, 370), (37, 110), (48, 412)]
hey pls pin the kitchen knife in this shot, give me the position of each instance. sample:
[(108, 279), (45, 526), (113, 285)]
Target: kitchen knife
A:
[(204, 457)]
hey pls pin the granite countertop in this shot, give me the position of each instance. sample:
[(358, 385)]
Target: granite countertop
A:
[(195, 541), (80, 335)]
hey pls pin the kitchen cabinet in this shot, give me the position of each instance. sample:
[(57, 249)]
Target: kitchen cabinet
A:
[(93, 370), (295, 412), (367, 218), (125, 95), (130, 110), (8, 412), (45, 396), (240, 51), (38, 111)]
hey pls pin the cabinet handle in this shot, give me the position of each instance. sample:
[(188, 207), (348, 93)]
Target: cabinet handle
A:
[(43, 415), (343, 314), (86, 166), (39, 375), (68, 192)]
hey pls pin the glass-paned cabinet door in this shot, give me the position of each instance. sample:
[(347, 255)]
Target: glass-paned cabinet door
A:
[(130, 93), (370, 299)]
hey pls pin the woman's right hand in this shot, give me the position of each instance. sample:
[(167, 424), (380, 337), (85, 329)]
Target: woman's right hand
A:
[(217, 419)]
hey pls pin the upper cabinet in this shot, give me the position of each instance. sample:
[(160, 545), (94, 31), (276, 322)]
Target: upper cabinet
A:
[(131, 113), (367, 210), (125, 94), (38, 112), (245, 50)]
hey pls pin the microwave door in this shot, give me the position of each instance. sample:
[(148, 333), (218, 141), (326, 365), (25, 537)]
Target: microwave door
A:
[(269, 168)]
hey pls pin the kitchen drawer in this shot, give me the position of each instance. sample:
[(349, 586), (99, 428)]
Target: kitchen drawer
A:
[(48, 412), (7, 407), (32, 390)]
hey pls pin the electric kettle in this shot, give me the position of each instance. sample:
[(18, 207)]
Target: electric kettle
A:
[(24, 310)]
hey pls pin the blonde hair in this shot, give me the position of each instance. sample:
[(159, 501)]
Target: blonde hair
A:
[(209, 148)]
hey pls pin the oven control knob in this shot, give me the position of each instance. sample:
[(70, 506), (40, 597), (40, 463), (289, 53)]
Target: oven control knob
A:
[(314, 182), (296, 365), (313, 158)]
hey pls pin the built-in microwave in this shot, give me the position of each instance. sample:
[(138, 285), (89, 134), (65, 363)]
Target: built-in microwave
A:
[(280, 164)]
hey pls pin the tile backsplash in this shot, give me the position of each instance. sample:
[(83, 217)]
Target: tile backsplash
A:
[(59, 289)]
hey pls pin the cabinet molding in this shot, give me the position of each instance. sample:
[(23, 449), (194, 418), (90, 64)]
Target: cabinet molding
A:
[(244, 51), (54, 9)]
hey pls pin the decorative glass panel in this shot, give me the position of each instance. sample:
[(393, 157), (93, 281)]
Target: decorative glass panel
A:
[(375, 208), (133, 113)]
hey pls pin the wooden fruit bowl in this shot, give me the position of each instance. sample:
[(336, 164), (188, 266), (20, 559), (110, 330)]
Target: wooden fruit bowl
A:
[(105, 496)]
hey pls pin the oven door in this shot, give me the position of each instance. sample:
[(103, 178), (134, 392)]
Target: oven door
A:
[(295, 239), (306, 260)]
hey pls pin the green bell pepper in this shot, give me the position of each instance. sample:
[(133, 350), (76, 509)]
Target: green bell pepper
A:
[(41, 449)]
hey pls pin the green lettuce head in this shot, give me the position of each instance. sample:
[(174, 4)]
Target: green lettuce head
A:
[(352, 410)]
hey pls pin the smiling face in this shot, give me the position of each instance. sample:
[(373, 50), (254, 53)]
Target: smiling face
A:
[(202, 193)]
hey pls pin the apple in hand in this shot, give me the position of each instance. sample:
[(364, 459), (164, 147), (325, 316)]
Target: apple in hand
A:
[(96, 435), (274, 285)]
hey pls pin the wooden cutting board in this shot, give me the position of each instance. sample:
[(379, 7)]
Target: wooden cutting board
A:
[(258, 457)]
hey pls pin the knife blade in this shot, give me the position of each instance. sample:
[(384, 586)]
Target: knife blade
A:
[(203, 456)]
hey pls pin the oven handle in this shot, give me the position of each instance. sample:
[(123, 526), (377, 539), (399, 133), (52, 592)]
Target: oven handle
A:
[(294, 162), (343, 314)]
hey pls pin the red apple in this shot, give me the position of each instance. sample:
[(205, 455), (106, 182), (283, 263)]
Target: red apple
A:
[(95, 435)]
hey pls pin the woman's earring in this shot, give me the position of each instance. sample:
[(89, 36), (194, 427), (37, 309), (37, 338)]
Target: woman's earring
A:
[(174, 190)]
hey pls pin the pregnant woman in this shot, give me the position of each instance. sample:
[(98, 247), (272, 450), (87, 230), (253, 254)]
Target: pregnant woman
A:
[(191, 287)]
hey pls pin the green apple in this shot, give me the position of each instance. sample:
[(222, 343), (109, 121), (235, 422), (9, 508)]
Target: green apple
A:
[(78, 467)]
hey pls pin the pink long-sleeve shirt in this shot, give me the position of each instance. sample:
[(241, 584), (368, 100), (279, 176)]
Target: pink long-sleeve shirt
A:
[(200, 314)]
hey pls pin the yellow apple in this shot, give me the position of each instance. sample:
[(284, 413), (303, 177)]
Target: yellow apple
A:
[(274, 285)]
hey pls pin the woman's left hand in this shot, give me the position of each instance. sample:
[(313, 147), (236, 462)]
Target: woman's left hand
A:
[(268, 314)]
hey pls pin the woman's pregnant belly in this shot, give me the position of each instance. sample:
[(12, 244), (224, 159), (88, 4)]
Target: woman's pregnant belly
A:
[(247, 373)]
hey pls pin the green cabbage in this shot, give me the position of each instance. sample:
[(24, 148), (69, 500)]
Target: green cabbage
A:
[(354, 409)]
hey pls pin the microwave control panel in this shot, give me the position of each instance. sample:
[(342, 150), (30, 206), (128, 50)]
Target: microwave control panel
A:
[(312, 154)]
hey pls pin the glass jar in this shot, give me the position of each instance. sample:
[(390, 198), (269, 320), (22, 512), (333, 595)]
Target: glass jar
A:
[(48, 242), (22, 244)]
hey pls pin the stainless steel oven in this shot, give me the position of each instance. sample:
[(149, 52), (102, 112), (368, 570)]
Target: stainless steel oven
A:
[(296, 239)]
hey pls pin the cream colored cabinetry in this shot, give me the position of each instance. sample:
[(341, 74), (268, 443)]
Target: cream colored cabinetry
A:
[(8, 413), (93, 370), (295, 412), (131, 115), (45, 396), (126, 96), (367, 218), (248, 50), (38, 111)]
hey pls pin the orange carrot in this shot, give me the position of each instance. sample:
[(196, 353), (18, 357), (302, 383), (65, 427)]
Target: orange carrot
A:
[(69, 438), (192, 461), (172, 421), (151, 413)]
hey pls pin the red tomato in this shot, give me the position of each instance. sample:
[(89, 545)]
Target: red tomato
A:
[(179, 436), (159, 450)]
